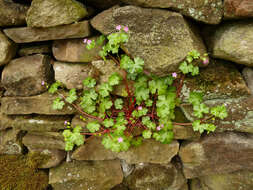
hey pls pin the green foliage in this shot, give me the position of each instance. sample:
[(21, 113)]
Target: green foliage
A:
[(118, 103), (201, 127), (219, 111), (58, 104), (72, 96), (54, 87), (89, 82), (73, 138), (114, 79), (93, 126)]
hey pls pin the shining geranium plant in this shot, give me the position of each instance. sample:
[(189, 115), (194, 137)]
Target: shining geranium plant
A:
[(148, 109)]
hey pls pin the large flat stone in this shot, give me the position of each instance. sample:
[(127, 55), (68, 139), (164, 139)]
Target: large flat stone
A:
[(232, 41), (48, 13), (7, 49), (217, 154), (28, 34), (35, 48), (74, 50), (208, 11), (23, 76), (102, 175), (40, 104), (12, 14), (155, 35), (238, 9)]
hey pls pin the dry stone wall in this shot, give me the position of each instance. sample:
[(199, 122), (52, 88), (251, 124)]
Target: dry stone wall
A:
[(42, 41)]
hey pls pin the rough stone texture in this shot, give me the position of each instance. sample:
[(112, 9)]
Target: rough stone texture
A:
[(29, 105), (48, 13), (41, 123), (120, 187), (72, 75), (44, 140), (102, 4), (55, 157), (37, 48), (28, 34), (7, 49), (10, 142), (150, 151), (74, 50), (23, 76), (232, 41), (86, 175), (195, 184), (219, 80), (248, 76), (208, 11), (217, 154), (242, 180), (238, 8), (12, 14), (156, 177), (93, 150), (155, 35), (240, 114)]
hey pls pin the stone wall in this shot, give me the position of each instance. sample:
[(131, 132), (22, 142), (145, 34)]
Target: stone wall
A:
[(42, 41)]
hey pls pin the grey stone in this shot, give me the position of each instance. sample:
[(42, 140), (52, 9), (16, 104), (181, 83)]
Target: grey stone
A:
[(48, 13), (23, 76), (248, 76), (28, 34), (30, 49)]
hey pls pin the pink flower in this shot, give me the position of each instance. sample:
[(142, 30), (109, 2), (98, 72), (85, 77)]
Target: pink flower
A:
[(85, 41), (174, 75), (43, 83), (139, 108), (118, 27), (126, 29), (65, 122), (120, 139), (162, 125), (158, 128), (205, 61), (88, 42)]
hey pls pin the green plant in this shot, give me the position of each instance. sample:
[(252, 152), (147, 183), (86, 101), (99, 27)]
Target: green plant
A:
[(149, 105)]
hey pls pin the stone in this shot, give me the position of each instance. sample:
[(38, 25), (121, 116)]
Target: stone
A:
[(195, 184), (12, 14), (150, 151), (28, 34), (7, 49), (207, 11), (93, 150), (86, 175), (120, 187), (72, 74), (29, 105), (220, 80), (217, 154), (24, 76), (39, 123), (37, 48), (231, 41), (248, 76), (10, 142), (54, 156), (74, 50), (44, 140), (127, 169), (155, 177), (5, 121), (240, 114), (231, 181), (155, 36), (102, 4), (49, 13), (238, 9)]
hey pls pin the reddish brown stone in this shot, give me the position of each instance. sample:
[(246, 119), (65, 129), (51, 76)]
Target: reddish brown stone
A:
[(238, 8)]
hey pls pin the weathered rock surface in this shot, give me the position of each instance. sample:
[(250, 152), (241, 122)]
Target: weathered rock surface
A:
[(86, 175), (155, 177), (54, 156), (150, 151), (12, 14), (238, 8), (248, 76), (48, 13), (28, 34), (24, 76), (232, 41), (93, 150), (44, 140), (217, 154), (155, 35), (7, 49), (72, 74), (74, 50), (10, 142), (29, 105), (208, 11), (37, 48), (219, 80), (240, 114)]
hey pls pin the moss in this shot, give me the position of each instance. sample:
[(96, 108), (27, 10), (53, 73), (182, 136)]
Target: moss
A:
[(19, 172)]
